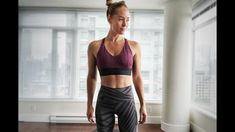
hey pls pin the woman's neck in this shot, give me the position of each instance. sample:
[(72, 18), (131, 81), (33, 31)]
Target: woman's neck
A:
[(114, 37)]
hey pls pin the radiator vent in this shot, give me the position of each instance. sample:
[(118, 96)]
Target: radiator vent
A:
[(71, 119), (67, 119)]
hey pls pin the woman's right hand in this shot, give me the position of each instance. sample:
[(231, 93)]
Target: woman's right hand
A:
[(90, 111)]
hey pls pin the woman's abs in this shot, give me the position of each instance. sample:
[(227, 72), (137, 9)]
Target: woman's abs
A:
[(116, 81)]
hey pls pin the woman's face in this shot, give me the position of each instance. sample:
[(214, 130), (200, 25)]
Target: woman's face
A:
[(119, 22)]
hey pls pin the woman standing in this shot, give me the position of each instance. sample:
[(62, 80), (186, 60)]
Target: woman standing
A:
[(118, 61)]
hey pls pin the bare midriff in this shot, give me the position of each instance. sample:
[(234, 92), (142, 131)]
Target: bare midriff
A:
[(116, 81)]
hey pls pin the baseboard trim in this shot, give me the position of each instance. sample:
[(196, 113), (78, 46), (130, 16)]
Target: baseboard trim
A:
[(154, 120), (175, 127), (34, 117), (46, 118), (195, 128)]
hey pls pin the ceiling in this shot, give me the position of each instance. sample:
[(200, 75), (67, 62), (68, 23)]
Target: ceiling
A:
[(132, 4)]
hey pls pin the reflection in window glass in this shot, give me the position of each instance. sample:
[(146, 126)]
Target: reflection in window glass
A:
[(86, 20), (145, 75), (83, 49), (36, 66), (204, 67), (83, 73), (82, 91), (83, 61), (82, 85), (84, 35), (149, 35), (62, 77), (144, 35), (146, 88)]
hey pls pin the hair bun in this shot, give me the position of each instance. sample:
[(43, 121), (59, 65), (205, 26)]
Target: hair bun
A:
[(108, 2)]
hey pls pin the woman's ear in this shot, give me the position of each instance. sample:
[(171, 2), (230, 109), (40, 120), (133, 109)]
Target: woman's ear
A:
[(109, 19)]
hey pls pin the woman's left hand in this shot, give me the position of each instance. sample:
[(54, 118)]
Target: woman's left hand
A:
[(143, 115)]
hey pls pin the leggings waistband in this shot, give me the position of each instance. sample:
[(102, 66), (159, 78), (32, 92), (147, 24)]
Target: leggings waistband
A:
[(116, 93)]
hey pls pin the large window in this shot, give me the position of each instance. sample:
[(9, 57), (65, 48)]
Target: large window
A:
[(204, 61), (53, 51)]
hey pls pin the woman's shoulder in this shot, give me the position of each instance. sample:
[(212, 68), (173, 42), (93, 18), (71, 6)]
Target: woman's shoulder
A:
[(94, 46), (95, 43), (134, 44)]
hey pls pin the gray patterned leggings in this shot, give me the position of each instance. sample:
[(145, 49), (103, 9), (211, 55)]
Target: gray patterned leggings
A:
[(119, 101)]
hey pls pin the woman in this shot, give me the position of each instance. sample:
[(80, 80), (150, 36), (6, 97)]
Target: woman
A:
[(116, 58)]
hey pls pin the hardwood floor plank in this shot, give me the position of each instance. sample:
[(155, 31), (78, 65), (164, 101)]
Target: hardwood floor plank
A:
[(75, 127)]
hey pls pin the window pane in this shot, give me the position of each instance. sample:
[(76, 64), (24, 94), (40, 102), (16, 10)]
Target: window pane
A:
[(83, 48), (83, 61), (101, 33), (127, 34), (83, 73), (101, 21), (85, 35), (148, 21), (151, 50), (92, 20), (204, 74), (46, 18), (63, 64), (145, 75), (36, 55)]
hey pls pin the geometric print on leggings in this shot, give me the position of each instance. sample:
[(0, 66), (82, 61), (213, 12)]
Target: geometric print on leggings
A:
[(119, 101)]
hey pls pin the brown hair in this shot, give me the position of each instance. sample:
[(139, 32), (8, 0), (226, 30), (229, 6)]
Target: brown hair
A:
[(113, 6)]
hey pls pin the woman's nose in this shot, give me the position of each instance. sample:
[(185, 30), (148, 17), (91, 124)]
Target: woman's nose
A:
[(124, 23)]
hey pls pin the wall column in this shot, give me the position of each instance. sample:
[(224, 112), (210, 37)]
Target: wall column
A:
[(177, 66)]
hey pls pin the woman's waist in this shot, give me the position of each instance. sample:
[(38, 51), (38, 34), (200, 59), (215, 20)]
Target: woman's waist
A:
[(121, 93), (116, 81)]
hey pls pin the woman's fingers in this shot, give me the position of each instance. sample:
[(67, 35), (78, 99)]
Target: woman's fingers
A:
[(140, 120), (89, 114), (90, 117), (143, 116), (91, 120)]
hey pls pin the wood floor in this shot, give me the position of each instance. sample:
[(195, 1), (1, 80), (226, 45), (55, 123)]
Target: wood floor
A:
[(53, 127)]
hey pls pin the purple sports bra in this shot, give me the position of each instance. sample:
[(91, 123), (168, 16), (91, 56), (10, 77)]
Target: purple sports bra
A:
[(120, 64)]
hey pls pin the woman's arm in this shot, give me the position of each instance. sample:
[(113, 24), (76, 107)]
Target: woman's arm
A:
[(91, 81), (138, 82)]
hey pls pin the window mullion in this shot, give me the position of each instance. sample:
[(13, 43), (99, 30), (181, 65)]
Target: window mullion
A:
[(72, 63), (54, 62)]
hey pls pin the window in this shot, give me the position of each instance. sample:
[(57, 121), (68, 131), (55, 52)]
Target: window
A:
[(36, 63), (149, 34), (204, 61), (53, 51)]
